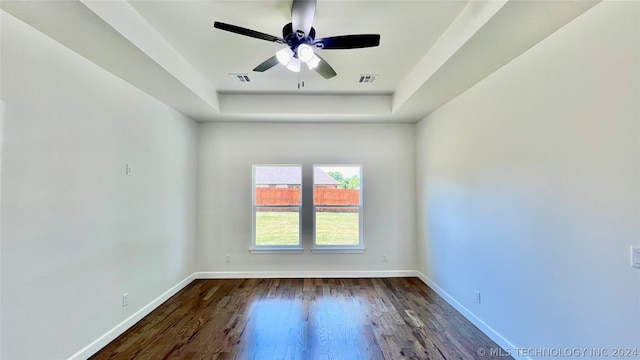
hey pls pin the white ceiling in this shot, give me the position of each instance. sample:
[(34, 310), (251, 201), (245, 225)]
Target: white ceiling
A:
[(430, 52)]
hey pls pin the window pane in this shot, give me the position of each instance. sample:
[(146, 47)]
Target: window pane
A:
[(277, 226), (336, 200), (277, 200), (278, 185)]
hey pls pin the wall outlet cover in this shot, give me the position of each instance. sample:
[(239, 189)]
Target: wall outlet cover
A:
[(635, 257)]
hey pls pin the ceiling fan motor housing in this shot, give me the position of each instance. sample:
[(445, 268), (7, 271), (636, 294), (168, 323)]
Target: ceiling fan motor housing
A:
[(295, 39)]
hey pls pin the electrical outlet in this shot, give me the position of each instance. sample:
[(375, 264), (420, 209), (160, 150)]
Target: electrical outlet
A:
[(125, 299), (477, 293), (635, 257), (227, 258), (129, 170), (384, 257)]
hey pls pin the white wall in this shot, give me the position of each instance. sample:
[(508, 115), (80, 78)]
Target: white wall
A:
[(529, 189), (227, 152), (76, 232)]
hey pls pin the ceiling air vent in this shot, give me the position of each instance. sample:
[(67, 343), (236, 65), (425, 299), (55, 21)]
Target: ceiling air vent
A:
[(367, 78), (240, 78)]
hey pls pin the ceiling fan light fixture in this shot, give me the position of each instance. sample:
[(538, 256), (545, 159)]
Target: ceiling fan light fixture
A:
[(313, 63), (284, 56), (294, 65), (305, 53)]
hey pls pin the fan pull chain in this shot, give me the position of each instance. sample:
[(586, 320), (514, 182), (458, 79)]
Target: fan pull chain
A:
[(300, 82)]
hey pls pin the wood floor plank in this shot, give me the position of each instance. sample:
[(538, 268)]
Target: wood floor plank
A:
[(302, 319)]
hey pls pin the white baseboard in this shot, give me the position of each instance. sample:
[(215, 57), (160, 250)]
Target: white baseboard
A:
[(490, 332), (119, 329), (303, 274)]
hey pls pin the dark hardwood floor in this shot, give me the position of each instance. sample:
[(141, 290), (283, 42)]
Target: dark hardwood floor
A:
[(381, 318)]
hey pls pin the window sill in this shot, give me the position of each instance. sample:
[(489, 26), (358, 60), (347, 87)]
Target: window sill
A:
[(337, 250), (276, 250)]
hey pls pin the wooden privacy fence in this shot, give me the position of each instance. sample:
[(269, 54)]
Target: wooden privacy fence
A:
[(336, 197), (278, 196), (292, 196)]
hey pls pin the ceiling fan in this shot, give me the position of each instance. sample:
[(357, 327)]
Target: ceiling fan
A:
[(299, 36)]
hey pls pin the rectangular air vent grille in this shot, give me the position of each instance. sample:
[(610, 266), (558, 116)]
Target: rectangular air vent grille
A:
[(240, 78), (367, 78)]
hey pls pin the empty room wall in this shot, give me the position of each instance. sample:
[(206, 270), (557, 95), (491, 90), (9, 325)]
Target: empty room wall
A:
[(226, 155), (77, 232), (529, 189)]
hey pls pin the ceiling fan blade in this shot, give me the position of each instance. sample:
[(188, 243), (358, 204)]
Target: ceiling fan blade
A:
[(348, 41), (302, 14), (324, 69), (247, 32), (267, 64)]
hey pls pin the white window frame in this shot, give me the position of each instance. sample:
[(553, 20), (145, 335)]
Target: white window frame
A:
[(348, 249), (270, 249)]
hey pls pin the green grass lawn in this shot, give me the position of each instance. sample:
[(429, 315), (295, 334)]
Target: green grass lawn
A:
[(336, 228), (277, 228), (281, 228)]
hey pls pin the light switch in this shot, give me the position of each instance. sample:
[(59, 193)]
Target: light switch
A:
[(635, 257)]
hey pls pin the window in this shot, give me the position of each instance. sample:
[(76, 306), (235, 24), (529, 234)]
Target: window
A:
[(277, 200), (337, 207)]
